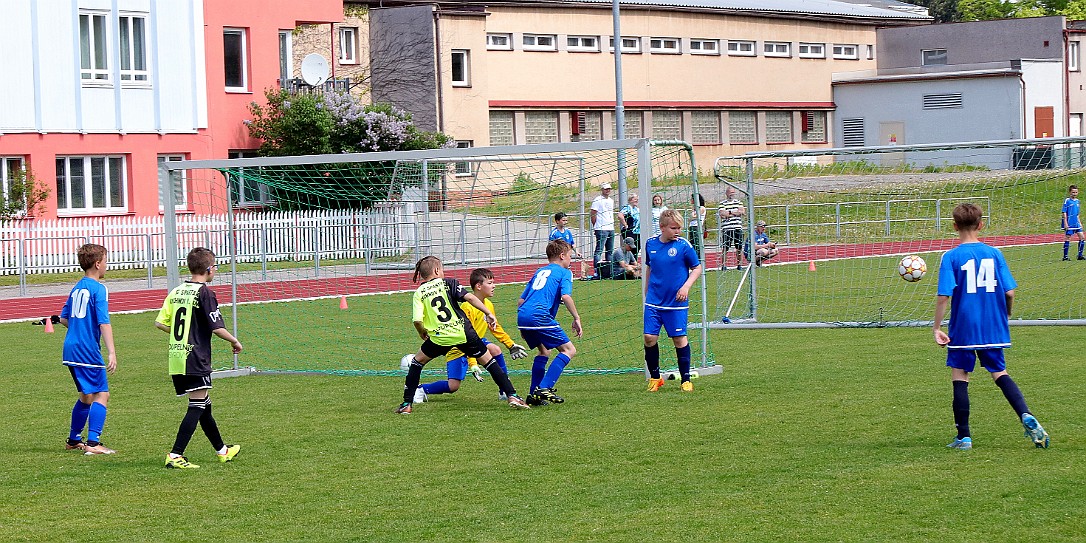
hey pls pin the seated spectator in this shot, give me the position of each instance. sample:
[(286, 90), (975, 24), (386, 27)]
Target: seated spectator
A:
[(764, 249), (623, 264)]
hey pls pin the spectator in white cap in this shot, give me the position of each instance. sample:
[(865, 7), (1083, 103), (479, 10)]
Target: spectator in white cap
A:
[(603, 223), (763, 248)]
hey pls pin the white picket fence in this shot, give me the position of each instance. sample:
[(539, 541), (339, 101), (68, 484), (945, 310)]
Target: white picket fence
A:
[(386, 229)]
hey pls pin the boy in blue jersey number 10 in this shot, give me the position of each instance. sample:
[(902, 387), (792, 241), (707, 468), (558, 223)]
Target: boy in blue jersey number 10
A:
[(671, 267), (86, 316), (1071, 223), (976, 277), (549, 286)]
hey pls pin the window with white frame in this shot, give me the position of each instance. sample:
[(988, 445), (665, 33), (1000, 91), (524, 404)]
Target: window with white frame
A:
[(235, 59), (540, 42), (463, 168), (1073, 56), (87, 184), (583, 44), (348, 45), (705, 126), (93, 49), (133, 38), (540, 127), (499, 41), (667, 125), (245, 190), (629, 44), (665, 46), (10, 166), (870, 52), (846, 51), (180, 183), (704, 47), (814, 127), (501, 128), (631, 128), (461, 68), (933, 57), (778, 127), (741, 48), (743, 127), (811, 50), (777, 49), (286, 56)]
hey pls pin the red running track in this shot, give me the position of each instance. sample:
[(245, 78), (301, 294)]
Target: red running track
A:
[(146, 300)]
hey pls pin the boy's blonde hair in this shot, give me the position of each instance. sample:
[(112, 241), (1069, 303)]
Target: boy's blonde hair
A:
[(426, 267), (557, 248), (967, 216), (671, 216), (90, 254)]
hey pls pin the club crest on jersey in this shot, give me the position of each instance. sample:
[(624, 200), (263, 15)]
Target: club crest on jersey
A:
[(672, 251)]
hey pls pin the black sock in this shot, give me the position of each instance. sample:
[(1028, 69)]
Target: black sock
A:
[(683, 356), (411, 382), (210, 427), (500, 377), (961, 407), (1013, 395), (188, 426), (652, 360)]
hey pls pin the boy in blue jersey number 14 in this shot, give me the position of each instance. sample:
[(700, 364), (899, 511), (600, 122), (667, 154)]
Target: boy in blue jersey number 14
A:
[(1071, 223), (976, 277), (86, 316), (671, 267), (549, 286)]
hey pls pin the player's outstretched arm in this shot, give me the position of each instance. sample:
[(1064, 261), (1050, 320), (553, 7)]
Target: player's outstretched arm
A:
[(567, 300), (234, 343)]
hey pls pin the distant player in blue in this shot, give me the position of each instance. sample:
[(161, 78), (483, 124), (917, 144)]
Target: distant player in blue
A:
[(562, 232), (86, 315), (976, 276), (536, 310), (1071, 223), (671, 267)]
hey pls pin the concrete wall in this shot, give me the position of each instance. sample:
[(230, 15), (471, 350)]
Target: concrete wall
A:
[(972, 42), (403, 61)]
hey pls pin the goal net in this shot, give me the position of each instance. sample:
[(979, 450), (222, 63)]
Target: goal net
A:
[(843, 218), (319, 251)]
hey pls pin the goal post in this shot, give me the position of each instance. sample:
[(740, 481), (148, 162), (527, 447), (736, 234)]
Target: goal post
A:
[(297, 238), (843, 218)]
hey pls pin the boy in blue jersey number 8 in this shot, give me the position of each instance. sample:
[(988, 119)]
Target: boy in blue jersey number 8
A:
[(86, 316), (671, 267), (976, 277)]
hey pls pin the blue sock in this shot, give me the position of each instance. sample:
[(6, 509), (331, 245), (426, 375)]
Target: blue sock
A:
[(1013, 394), (95, 422), (652, 360), (79, 420), (683, 354), (554, 371), (437, 387), (1066, 246), (500, 359), (539, 369), (1080, 245)]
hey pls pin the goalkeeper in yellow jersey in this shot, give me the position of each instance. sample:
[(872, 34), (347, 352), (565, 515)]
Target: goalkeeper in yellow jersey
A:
[(458, 365)]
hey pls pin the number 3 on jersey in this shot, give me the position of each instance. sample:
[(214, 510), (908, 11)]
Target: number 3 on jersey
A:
[(985, 277)]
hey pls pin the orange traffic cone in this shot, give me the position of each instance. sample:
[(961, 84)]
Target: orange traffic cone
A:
[(343, 302), (811, 266), (48, 325)]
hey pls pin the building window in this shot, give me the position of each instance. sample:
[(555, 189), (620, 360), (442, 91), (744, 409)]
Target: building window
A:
[(235, 59), (741, 48), (180, 184), (348, 45), (777, 49), (540, 42), (852, 132), (93, 52), (743, 127), (667, 125), (91, 183), (814, 126), (629, 44), (870, 52), (846, 51), (463, 168), (812, 50), (583, 44), (933, 57), (499, 42), (705, 126), (631, 128), (10, 166), (286, 56), (501, 128), (586, 125), (1072, 56), (461, 68), (665, 45), (246, 191), (704, 47), (540, 127), (133, 30), (778, 127)]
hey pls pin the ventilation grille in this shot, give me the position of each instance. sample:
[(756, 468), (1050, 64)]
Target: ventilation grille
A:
[(852, 131), (951, 100)]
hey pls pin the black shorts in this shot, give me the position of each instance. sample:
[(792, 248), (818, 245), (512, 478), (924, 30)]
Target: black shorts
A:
[(473, 347), (183, 384), (732, 237)]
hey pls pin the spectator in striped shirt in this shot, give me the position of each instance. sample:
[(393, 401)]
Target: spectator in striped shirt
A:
[(731, 212)]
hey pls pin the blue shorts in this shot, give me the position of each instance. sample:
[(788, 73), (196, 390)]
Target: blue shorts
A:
[(549, 338), (457, 368), (89, 380), (673, 321), (966, 359), (1072, 231)]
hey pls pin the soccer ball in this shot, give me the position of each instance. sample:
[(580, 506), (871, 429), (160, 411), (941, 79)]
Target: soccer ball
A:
[(405, 362), (912, 268)]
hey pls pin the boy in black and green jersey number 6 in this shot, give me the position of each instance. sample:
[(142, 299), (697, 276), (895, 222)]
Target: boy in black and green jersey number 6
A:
[(190, 314), (440, 322)]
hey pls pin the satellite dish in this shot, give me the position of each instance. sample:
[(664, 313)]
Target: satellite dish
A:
[(314, 69)]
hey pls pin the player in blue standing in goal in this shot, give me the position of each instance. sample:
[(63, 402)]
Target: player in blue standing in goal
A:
[(549, 286), (442, 325), (86, 316), (976, 277), (1071, 223), (671, 267)]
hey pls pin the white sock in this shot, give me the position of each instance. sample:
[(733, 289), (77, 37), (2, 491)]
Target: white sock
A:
[(172, 455), (222, 450)]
